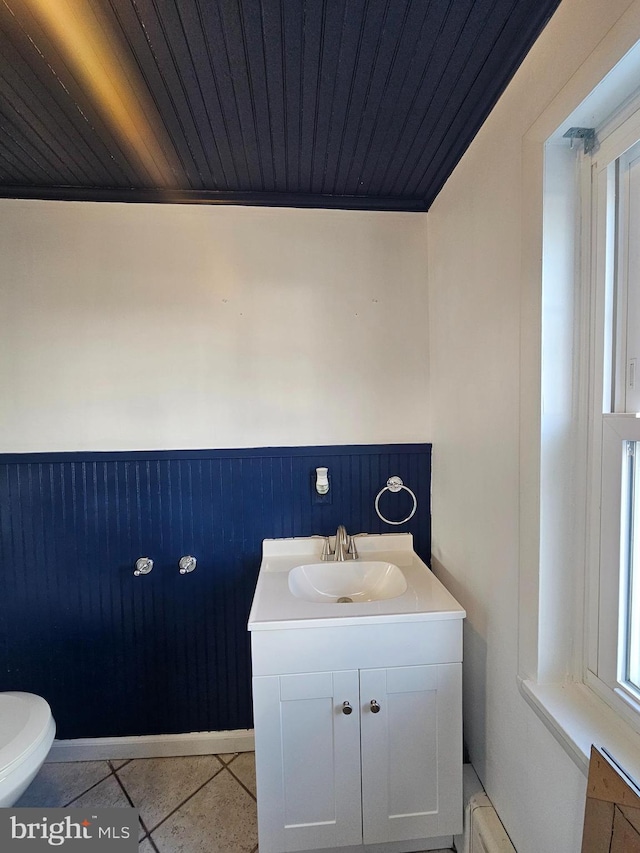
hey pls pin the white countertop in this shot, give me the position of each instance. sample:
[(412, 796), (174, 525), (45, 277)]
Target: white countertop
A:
[(275, 607)]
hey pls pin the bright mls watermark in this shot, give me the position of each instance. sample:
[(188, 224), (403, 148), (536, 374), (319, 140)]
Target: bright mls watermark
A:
[(86, 830)]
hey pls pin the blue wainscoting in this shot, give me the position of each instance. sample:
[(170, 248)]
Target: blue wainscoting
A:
[(119, 655)]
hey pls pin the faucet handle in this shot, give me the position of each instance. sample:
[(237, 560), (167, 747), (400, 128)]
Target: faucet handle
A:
[(327, 553), (352, 551)]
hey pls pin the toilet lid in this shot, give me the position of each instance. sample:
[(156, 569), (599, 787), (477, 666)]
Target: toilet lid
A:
[(24, 721)]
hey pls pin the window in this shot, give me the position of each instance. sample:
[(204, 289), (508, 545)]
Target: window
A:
[(613, 660), (573, 668)]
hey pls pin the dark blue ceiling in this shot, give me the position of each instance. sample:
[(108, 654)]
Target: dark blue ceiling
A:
[(315, 103)]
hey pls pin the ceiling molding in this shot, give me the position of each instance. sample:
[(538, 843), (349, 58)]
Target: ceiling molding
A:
[(262, 199)]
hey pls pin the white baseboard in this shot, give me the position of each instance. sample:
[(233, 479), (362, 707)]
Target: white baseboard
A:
[(151, 746), (472, 790)]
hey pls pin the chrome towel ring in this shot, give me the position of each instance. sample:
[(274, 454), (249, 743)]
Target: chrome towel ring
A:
[(395, 484)]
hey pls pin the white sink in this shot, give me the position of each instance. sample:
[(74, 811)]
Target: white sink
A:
[(350, 582), (387, 583)]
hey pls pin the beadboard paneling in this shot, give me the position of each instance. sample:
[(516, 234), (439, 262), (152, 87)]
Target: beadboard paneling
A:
[(165, 653), (321, 103)]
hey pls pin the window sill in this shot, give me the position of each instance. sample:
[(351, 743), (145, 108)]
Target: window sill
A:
[(578, 718)]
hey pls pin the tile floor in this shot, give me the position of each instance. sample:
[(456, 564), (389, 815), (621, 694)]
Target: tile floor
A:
[(196, 804)]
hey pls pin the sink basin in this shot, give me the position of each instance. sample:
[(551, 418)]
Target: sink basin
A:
[(388, 583), (349, 582)]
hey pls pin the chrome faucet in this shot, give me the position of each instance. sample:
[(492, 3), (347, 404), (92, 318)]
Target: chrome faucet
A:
[(342, 545), (345, 547)]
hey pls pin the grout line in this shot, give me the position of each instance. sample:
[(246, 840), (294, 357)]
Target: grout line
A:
[(151, 842), (126, 793), (133, 806), (90, 788), (115, 769), (179, 806), (242, 785)]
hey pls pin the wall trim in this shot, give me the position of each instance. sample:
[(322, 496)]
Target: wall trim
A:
[(151, 746), (211, 453), (254, 199)]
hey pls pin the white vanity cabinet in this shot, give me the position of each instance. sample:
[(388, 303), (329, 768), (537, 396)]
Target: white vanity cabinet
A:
[(370, 755), (411, 752), (357, 707), (308, 755)]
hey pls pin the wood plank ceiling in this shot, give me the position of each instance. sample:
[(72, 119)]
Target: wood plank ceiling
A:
[(322, 103)]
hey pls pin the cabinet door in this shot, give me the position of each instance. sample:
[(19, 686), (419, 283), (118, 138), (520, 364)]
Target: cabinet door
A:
[(307, 761), (411, 752)]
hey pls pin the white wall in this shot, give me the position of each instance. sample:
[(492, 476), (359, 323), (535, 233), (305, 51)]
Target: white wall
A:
[(140, 326), (479, 257)]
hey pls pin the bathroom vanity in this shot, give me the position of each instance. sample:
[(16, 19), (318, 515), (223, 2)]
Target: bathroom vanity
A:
[(357, 704)]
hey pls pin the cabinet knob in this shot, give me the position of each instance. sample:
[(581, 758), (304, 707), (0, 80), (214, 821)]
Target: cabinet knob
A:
[(346, 708), (375, 708)]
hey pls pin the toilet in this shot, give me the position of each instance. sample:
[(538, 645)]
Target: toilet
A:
[(27, 729)]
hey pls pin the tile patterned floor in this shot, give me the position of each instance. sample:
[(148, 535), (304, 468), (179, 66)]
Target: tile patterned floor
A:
[(197, 804)]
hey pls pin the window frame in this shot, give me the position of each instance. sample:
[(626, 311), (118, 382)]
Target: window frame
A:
[(604, 244), (553, 594)]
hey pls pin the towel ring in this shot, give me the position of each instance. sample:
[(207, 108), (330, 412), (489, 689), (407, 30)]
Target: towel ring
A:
[(395, 484)]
